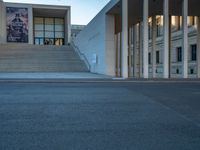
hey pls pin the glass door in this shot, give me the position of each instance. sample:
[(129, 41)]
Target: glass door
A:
[(39, 41)]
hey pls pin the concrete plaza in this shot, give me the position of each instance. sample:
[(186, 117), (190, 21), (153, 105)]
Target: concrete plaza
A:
[(100, 116)]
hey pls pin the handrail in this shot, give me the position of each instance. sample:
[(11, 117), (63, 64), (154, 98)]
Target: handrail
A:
[(81, 55)]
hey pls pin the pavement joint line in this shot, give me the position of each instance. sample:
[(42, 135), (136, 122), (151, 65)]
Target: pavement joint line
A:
[(176, 112)]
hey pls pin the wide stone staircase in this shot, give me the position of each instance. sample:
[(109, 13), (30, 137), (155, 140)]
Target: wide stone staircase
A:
[(38, 58)]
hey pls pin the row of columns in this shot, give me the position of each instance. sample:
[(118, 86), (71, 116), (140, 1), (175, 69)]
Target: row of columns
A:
[(144, 46)]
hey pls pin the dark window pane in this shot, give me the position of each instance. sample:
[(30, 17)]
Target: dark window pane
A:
[(157, 57), (149, 58), (194, 52), (179, 54)]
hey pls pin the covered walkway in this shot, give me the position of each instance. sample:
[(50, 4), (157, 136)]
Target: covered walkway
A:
[(149, 32)]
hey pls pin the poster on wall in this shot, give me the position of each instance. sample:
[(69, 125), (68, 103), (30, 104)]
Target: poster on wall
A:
[(17, 24)]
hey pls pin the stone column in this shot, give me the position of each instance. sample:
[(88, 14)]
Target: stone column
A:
[(135, 50), (68, 26), (30, 22), (185, 38), (198, 48), (1, 21), (170, 43), (166, 39), (130, 69), (154, 46), (140, 50), (125, 38), (110, 54), (145, 38)]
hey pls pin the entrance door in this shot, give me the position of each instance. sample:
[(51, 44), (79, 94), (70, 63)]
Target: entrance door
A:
[(59, 41), (39, 41), (49, 41)]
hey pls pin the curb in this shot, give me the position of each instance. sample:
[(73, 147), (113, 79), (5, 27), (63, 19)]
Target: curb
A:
[(98, 80)]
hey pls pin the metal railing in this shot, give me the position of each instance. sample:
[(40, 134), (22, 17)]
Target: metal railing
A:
[(81, 55)]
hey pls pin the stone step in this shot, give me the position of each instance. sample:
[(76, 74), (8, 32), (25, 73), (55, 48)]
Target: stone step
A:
[(34, 58)]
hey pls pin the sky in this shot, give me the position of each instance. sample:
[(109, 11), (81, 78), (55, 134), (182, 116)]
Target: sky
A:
[(82, 10)]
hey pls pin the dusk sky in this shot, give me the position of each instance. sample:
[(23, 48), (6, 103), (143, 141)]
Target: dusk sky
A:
[(82, 10)]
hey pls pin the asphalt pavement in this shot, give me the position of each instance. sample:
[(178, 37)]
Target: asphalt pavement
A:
[(100, 116)]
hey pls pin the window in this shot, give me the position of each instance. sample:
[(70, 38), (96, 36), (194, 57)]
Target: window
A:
[(49, 31), (39, 41), (191, 71), (157, 57), (150, 28), (179, 54), (149, 58), (179, 23), (194, 52), (191, 21), (177, 71), (176, 22), (159, 25)]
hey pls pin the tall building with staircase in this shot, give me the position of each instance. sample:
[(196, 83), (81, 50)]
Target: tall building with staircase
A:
[(126, 39), (36, 38)]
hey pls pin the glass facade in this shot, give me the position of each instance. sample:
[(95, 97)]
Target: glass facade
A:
[(48, 31)]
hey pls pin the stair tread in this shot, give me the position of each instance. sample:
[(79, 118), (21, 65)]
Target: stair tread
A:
[(34, 58)]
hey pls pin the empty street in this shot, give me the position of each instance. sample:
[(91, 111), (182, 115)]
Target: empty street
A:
[(100, 116)]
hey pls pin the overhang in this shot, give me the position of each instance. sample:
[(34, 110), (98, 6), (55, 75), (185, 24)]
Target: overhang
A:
[(50, 11), (135, 9)]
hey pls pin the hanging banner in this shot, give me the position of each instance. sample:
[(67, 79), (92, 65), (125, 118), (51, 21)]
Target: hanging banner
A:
[(17, 24)]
